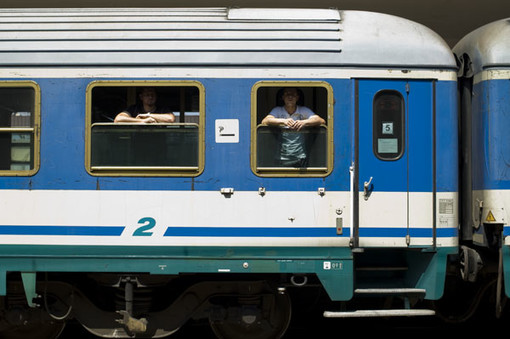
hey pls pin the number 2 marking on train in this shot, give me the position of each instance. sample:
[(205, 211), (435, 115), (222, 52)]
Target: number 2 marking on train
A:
[(147, 224)]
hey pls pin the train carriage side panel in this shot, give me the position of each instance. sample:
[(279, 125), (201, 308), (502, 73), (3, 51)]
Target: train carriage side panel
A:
[(218, 225), (484, 57)]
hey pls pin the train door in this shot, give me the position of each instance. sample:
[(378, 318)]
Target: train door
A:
[(395, 163)]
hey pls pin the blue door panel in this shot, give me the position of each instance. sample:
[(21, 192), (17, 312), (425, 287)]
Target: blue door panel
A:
[(387, 175)]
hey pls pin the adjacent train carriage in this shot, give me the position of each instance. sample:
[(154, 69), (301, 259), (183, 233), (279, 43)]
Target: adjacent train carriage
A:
[(484, 56), (134, 228)]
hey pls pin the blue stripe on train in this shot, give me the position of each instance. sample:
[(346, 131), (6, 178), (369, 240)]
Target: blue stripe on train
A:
[(62, 230), (286, 232), (300, 232)]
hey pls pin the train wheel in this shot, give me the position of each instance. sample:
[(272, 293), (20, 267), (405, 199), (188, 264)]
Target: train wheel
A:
[(40, 330), (268, 317)]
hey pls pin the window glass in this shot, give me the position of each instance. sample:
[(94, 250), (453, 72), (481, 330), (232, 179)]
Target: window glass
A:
[(291, 134), (388, 125), (145, 128), (19, 121)]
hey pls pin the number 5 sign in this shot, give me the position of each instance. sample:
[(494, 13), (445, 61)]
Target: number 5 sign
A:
[(387, 128)]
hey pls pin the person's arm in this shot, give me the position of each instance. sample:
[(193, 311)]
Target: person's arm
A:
[(145, 118), (271, 120), (165, 118), (314, 120), (126, 117)]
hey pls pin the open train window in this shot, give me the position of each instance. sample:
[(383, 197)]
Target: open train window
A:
[(288, 149), (19, 127), (148, 143), (388, 119)]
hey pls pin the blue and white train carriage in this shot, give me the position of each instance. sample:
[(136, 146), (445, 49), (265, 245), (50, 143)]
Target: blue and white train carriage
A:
[(484, 79), (135, 228)]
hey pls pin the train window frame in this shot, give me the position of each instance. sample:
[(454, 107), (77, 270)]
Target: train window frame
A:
[(146, 171), (327, 115), (34, 129), (377, 122)]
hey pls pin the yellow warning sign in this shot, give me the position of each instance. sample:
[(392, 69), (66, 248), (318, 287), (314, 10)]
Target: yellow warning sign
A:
[(490, 217)]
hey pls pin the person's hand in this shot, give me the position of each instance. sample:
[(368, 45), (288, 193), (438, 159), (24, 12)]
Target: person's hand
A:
[(295, 124), (146, 118), (289, 123), (298, 124)]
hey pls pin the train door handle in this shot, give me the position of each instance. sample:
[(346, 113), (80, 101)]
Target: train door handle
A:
[(367, 188)]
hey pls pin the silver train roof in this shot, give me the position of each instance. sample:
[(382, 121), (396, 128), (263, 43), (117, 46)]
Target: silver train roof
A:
[(217, 37), (486, 47)]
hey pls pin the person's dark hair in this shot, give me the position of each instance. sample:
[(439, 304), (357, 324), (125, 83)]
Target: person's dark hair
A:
[(279, 94)]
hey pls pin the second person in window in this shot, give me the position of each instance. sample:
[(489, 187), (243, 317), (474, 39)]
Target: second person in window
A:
[(146, 111)]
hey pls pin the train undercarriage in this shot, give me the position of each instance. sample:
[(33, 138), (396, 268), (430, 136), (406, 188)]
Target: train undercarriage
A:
[(401, 283), (142, 305), (145, 306)]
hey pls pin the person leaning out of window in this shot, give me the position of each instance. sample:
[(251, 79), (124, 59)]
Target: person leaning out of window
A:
[(292, 116), (147, 111)]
